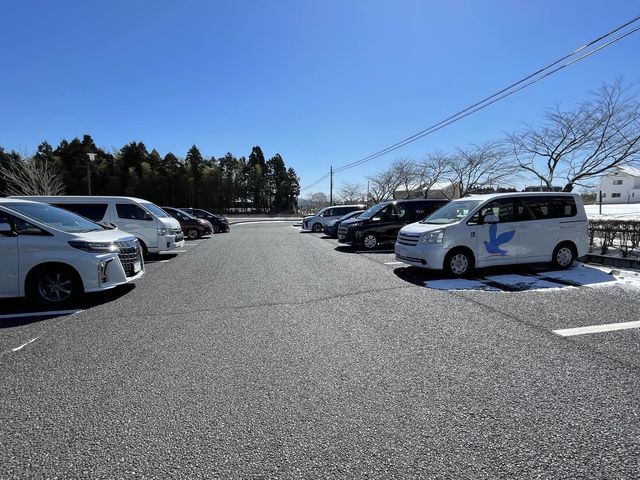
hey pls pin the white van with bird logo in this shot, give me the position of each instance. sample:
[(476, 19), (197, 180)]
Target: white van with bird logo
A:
[(497, 229)]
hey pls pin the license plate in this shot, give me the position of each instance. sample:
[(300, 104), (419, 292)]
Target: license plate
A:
[(137, 266)]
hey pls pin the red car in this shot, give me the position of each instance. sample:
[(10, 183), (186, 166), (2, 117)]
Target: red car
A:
[(192, 227)]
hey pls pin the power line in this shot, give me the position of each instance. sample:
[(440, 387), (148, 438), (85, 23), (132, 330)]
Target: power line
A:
[(503, 93), (480, 105)]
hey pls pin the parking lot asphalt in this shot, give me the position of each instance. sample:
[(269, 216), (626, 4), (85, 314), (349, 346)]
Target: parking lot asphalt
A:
[(267, 352)]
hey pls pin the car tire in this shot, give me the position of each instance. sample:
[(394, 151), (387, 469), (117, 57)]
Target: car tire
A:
[(370, 241), (192, 234), (145, 250), (317, 227), (458, 263), (215, 229), (54, 285), (563, 256)]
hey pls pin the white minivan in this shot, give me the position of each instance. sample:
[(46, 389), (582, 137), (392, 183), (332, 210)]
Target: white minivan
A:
[(52, 255), (316, 222), (156, 230), (497, 229)]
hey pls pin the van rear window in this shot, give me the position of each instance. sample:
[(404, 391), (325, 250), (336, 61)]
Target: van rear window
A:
[(563, 207), (541, 208), (92, 211)]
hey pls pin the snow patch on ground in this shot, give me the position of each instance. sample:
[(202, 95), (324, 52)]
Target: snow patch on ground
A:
[(580, 275), (523, 282)]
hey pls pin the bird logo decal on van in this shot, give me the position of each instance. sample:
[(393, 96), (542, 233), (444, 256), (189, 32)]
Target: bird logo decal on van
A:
[(493, 245)]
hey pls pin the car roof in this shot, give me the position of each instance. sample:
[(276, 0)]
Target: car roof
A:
[(9, 201), (491, 196), (85, 198)]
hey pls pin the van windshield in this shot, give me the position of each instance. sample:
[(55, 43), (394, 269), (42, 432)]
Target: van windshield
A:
[(156, 210), (452, 212), (56, 217), (368, 214)]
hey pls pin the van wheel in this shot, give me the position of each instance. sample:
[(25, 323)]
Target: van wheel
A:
[(317, 227), (458, 263), (192, 234), (563, 256), (54, 285), (370, 241)]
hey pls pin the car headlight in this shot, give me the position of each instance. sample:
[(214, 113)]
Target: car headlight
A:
[(95, 247), (436, 236), (164, 231)]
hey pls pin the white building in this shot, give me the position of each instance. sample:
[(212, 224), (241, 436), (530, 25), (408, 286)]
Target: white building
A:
[(622, 185), (440, 190)]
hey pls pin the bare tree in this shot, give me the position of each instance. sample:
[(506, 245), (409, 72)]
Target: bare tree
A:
[(478, 167), (575, 146), (435, 167), (351, 192), (406, 173), (382, 185), (31, 177), (319, 200)]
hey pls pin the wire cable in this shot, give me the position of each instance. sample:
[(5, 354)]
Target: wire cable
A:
[(501, 94)]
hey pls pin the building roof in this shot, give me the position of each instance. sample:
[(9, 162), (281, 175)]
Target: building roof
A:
[(628, 170)]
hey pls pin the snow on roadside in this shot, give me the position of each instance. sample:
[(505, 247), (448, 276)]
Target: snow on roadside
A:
[(622, 211)]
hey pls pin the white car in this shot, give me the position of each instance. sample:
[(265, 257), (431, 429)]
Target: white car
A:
[(53, 255), (156, 230), (498, 229), (316, 222)]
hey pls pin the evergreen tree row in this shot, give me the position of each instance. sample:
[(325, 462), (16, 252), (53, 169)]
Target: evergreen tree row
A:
[(225, 184)]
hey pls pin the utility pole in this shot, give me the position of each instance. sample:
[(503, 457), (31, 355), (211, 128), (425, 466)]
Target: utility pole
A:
[(331, 186), (367, 194)]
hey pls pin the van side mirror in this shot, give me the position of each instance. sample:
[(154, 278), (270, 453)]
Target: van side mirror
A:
[(6, 230), (491, 218), (147, 216)]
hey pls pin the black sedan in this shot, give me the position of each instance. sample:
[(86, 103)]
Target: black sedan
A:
[(331, 228), (220, 223)]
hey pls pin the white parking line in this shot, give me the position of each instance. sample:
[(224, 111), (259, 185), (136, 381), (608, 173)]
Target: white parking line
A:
[(610, 327), (394, 263), (176, 251), (39, 314), (24, 345), (263, 221)]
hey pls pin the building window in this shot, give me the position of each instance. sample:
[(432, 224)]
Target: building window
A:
[(615, 195), (617, 182), (604, 195)]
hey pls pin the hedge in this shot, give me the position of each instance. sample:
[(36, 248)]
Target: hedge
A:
[(609, 234)]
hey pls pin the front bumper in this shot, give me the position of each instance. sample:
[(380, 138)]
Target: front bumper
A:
[(170, 242), (108, 271), (429, 256), (345, 235)]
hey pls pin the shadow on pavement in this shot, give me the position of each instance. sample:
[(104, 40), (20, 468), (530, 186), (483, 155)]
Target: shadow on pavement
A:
[(350, 249), (21, 311)]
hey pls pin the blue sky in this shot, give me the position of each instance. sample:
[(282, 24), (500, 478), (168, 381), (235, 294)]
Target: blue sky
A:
[(318, 82)]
